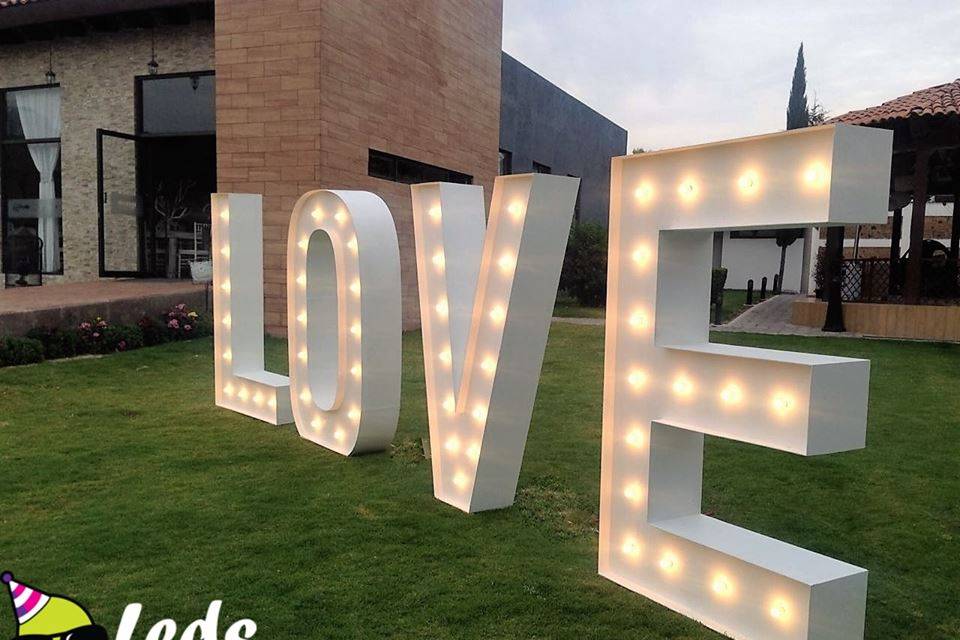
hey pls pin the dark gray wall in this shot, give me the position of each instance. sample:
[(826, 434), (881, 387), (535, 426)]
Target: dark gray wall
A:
[(539, 122)]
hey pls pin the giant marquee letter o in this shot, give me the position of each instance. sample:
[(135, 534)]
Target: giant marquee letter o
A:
[(665, 384), (344, 320)]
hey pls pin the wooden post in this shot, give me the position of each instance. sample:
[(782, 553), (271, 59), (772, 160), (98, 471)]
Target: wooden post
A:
[(896, 233), (834, 280), (913, 283)]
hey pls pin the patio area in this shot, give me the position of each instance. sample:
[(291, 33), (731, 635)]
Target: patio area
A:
[(123, 301)]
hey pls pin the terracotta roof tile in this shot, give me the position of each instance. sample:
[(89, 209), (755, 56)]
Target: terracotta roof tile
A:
[(943, 99)]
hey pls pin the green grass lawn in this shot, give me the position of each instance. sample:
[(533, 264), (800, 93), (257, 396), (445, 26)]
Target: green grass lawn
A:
[(122, 482)]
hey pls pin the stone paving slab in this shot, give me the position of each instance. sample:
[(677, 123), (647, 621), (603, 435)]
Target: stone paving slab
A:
[(120, 301)]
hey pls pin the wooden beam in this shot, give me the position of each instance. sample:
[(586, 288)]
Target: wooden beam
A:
[(896, 233), (914, 278), (834, 280)]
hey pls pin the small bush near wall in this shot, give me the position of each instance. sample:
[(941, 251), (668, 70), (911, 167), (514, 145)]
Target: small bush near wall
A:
[(584, 275), (14, 351), (100, 336)]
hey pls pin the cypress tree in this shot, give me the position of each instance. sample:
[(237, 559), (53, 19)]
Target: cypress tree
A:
[(797, 114)]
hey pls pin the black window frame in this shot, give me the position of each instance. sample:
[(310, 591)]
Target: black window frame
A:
[(138, 103), (4, 91), (506, 162), (397, 168), (539, 167)]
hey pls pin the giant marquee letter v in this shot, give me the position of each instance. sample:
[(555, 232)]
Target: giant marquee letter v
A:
[(486, 301), (665, 384)]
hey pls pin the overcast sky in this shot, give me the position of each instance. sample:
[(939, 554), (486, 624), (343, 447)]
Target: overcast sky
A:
[(677, 72)]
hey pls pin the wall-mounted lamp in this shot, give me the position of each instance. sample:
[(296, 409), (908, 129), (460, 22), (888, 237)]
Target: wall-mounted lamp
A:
[(50, 75), (153, 66)]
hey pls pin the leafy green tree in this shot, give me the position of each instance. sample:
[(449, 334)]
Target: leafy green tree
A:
[(797, 114)]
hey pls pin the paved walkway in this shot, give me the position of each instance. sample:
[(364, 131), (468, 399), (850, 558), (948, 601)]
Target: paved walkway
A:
[(772, 316), (121, 301)]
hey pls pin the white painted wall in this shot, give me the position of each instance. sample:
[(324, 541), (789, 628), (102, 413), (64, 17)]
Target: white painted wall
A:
[(747, 258)]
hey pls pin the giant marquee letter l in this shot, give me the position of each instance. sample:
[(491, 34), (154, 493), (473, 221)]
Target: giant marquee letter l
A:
[(486, 300), (665, 384)]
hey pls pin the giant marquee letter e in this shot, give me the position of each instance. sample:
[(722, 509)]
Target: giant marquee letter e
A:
[(665, 384), (486, 300), (242, 383)]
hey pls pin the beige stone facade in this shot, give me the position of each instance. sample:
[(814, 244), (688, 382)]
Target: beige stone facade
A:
[(96, 75), (305, 88)]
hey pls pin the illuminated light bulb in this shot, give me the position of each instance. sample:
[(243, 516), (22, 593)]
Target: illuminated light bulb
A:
[(721, 586), (498, 313), (228, 355), (749, 183), (489, 365), (641, 256), (460, 480), (258, 398), (355, 287), (225, 286), (669, 563), (815, 175), (473, 451), (452, 444), (352, 244), (445, 356), (340, 216), (635, 438), (637, 379), (449, 405), (515, 209), (339, 434), (438, 260), (242, 394), (228, 390), (356, 370), (226, 320), (631, 548), (305, 395), (643, 193), (639, 320), (779, 610), (302, 317), (302, 280), (479, 413), (272, 402), (355, 329), (354, 414), (687, 190), (317, 423), (507, 262), (302, 355), (225, 215), (435, 213), (732, 394), (633, 492), (682, 386), (225, 252), (442, 308), (304, 243), (782, 403), (317, 214)]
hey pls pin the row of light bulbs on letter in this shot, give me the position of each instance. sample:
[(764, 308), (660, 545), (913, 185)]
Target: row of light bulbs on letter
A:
[(814, 176), (506, 262)]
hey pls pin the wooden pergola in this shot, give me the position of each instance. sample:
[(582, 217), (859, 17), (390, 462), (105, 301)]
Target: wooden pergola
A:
[(926, 164)]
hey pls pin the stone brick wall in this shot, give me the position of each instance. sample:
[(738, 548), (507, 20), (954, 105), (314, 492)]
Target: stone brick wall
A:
[(96, 74), (306, 87)]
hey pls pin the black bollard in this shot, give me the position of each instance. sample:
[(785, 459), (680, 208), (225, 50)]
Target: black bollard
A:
[(776, 283), (763, 288), (750, 292)]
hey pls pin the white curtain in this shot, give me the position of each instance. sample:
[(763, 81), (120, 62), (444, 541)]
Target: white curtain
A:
[(39, 111)]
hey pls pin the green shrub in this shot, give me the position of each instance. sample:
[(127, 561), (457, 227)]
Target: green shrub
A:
[(717, 282), (122, 337), (90, 336), (584, 274), (14, 351), (57, 343), (154, 333)]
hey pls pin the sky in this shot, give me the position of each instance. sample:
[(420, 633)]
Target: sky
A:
[(681, 72)]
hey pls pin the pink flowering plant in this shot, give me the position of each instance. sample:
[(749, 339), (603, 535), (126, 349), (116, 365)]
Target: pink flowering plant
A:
[(182, 322), (91, 335)]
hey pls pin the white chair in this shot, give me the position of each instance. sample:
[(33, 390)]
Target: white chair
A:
[(200, 249)]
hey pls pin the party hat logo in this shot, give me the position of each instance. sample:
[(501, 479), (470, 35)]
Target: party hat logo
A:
[(42, 616)]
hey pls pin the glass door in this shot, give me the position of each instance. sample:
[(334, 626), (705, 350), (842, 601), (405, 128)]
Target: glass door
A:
[(120, 205)]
